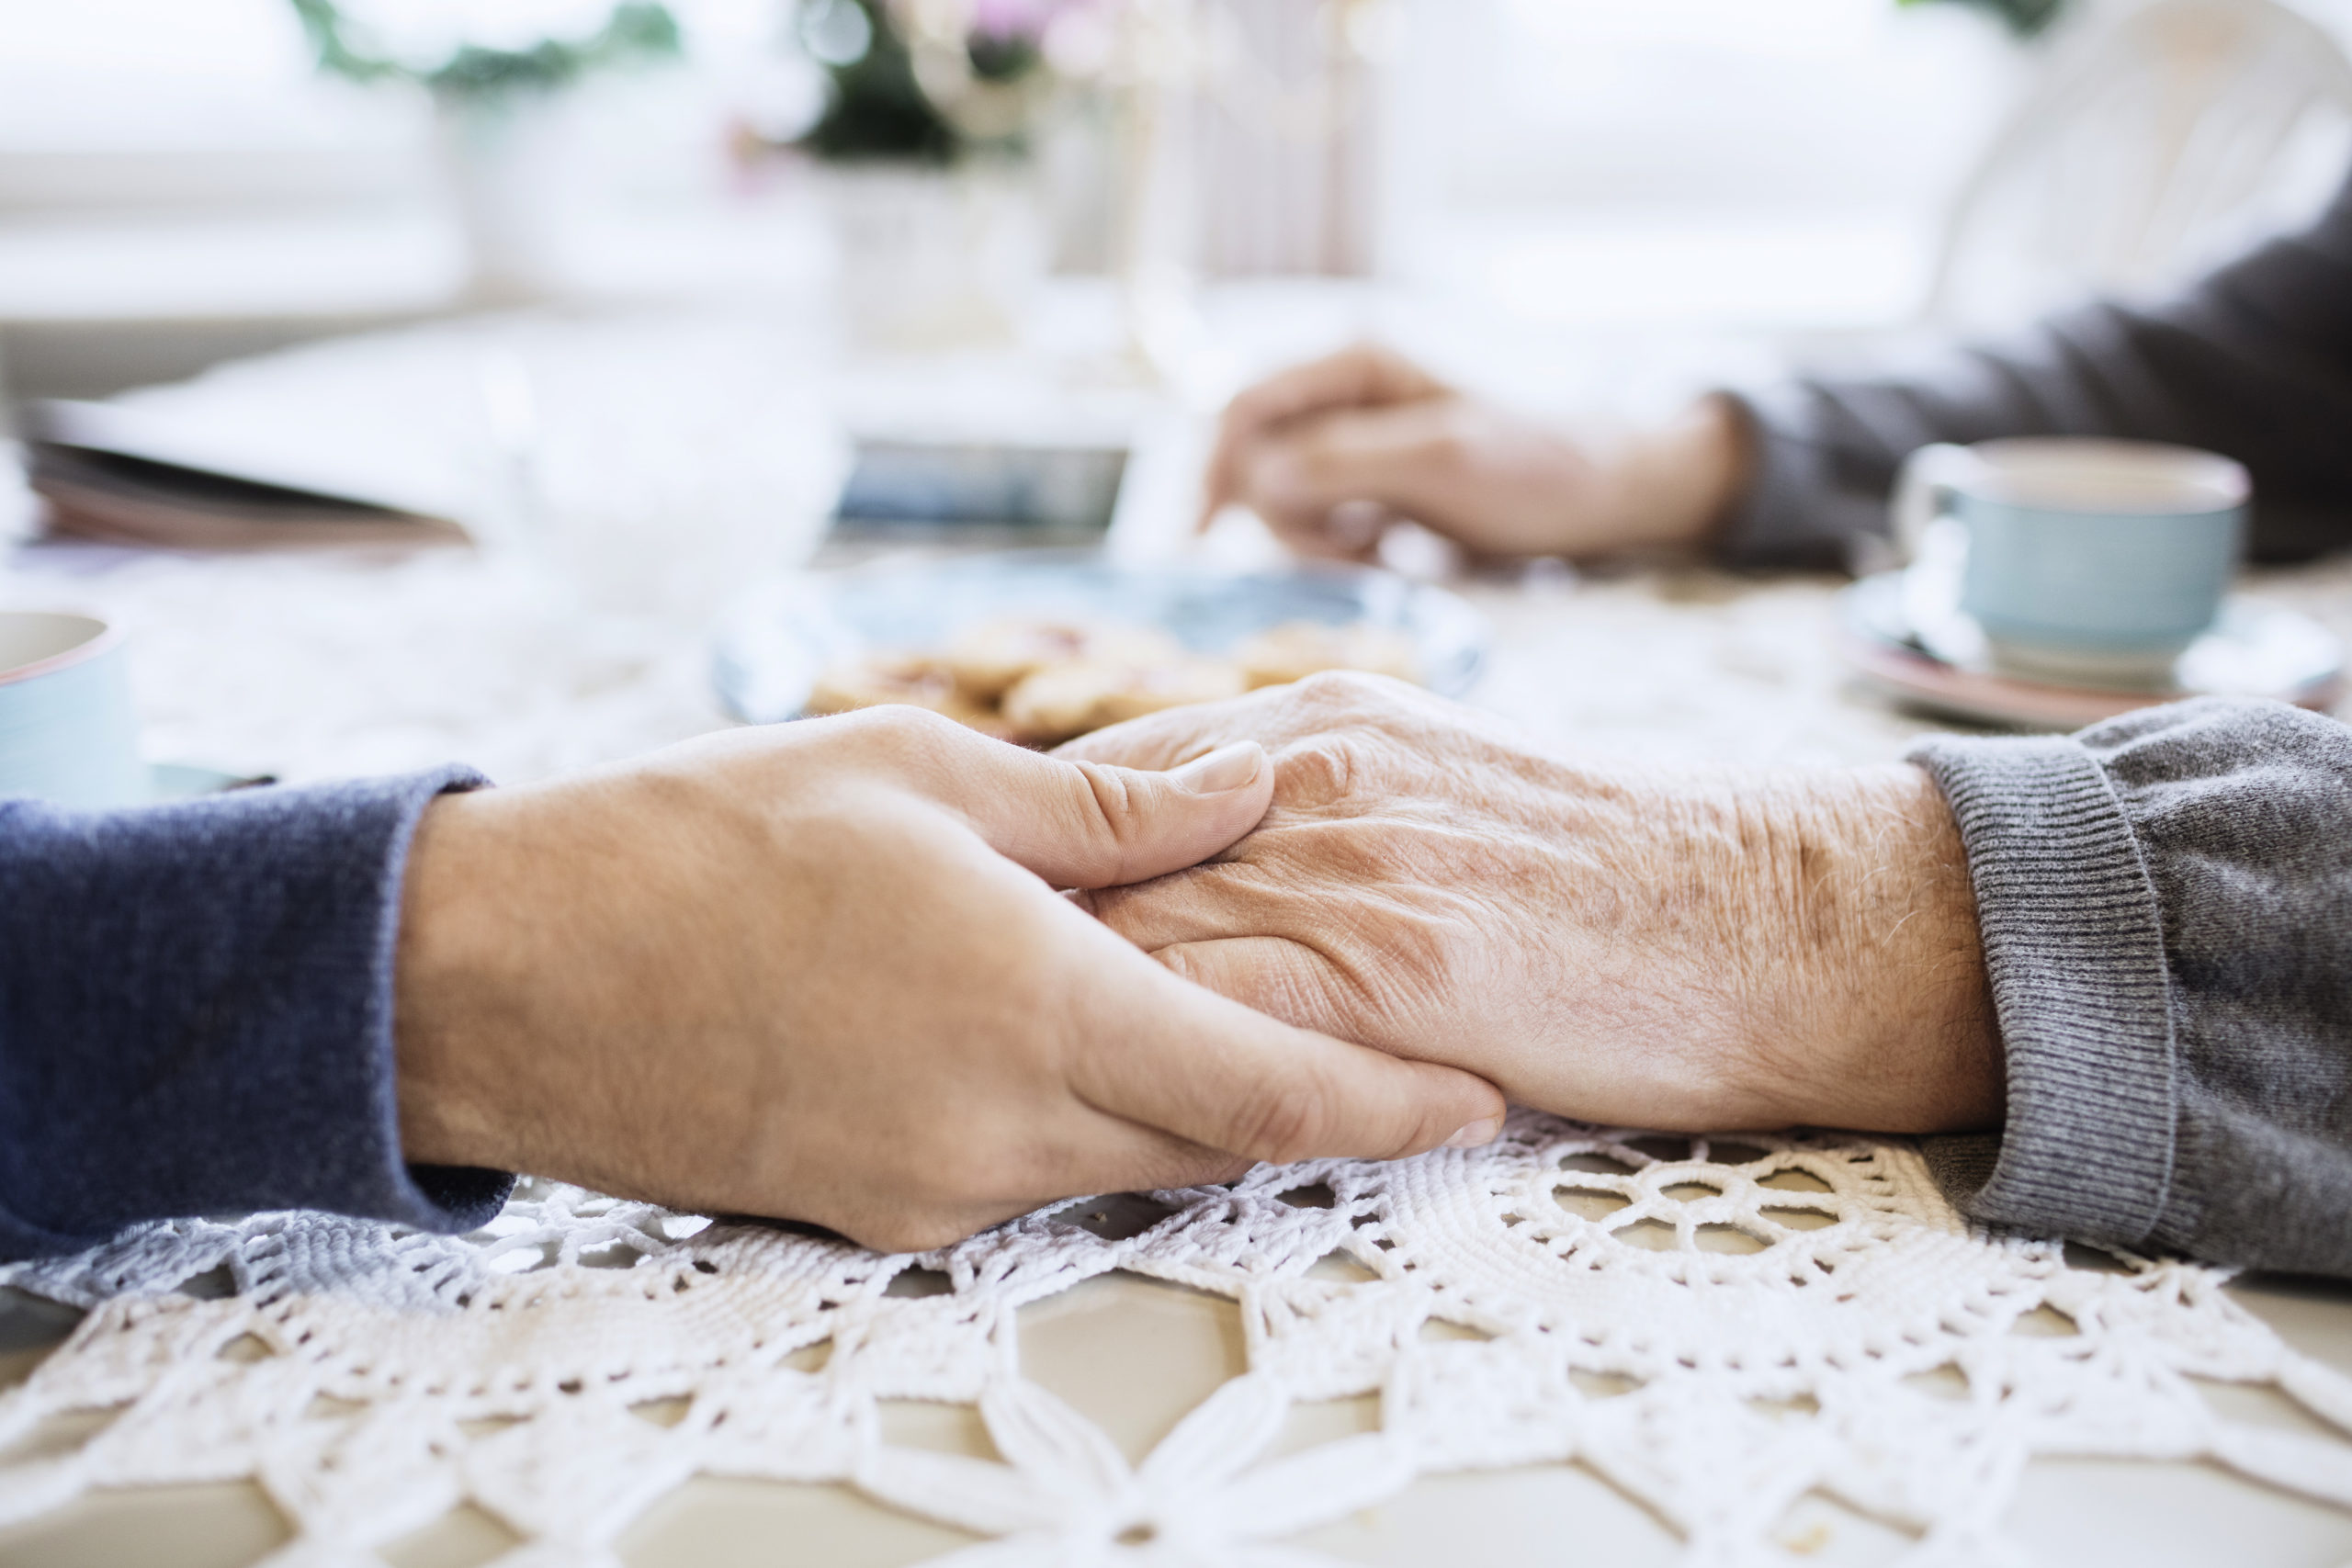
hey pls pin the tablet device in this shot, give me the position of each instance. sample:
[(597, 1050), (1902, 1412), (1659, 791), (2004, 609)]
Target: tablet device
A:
[(981, 493)]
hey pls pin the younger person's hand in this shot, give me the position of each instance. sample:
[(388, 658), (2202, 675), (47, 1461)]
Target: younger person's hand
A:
[(819, 971), (1330, 453)]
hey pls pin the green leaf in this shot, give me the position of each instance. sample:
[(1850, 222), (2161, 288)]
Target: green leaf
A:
[(876, 111), (635, 32), (2026, 18)]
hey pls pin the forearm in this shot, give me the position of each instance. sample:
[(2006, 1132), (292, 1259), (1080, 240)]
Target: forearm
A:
[(1753, 950), (196, 1013)]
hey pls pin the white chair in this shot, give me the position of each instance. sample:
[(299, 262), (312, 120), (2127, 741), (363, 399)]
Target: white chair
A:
[(2159, 139)]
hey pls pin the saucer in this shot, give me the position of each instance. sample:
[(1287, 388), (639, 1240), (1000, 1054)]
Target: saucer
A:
[(185, 781), (1904, 637)]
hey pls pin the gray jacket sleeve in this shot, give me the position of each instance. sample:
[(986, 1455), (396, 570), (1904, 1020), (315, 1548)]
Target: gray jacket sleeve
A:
[(2254, 361), (2166, 907)]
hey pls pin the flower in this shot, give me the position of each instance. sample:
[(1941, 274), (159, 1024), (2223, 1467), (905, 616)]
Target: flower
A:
[(1016, 18)]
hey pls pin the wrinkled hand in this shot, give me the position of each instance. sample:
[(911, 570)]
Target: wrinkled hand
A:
[(1635, 948), (1330, 453), (820, 971)]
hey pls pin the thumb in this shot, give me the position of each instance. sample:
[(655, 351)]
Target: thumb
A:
[(1096, 825)]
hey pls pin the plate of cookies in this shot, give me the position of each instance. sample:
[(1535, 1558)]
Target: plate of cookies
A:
[(1041, 647)]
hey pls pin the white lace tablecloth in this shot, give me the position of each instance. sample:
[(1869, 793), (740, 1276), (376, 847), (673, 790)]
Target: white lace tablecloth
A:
[(1717, 1329)]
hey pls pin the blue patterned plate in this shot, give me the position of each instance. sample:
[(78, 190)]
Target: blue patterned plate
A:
[(772, 647)]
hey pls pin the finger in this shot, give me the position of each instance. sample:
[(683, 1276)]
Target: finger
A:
[(1274, 716), (1351, 531), (1363, 374), (1204, 905), (1108, 1155), (1177, 1057), (1113, 1154), (1281, 979), (1088, 824), (1306, 478), (1175, 736)]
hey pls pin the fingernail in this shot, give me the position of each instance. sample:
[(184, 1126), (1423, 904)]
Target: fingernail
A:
[(1228, 767), (1477, 1135)]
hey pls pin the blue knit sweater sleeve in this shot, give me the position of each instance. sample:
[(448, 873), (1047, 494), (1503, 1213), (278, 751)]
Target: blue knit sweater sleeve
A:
[(196, 1013)]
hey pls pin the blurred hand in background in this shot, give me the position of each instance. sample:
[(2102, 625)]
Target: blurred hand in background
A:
[(1330, 453)]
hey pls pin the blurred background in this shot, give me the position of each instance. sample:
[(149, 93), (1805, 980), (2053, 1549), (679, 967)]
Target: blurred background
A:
[(180, 180), (633, 278)]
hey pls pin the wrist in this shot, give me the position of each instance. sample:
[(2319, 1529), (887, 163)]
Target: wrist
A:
[(1884, 1021), (1680, 481), (446, 983)]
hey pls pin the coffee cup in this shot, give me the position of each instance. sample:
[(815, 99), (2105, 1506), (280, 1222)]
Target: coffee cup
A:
[(68, 733), (2089, 561)]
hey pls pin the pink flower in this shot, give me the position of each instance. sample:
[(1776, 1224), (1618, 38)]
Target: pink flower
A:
[(1017, 18)]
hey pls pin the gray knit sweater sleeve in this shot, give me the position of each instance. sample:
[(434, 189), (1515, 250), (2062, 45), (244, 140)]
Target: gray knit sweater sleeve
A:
[(2166, 907)]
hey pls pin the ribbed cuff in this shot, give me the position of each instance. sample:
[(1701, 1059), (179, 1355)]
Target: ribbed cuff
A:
[(1794, 513), (2074, 951), (196, 1013)]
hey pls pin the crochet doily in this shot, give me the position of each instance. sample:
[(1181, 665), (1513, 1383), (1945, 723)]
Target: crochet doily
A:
[(1715, 1328)]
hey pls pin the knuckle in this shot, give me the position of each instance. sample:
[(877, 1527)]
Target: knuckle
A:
[(897, 730), (1320, 773), (1290, 1123), (1110, 826), (1340, 691)]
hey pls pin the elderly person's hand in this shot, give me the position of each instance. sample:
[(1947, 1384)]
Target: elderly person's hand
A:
[(1337, 450), (822, 972), (1661, 949), (1328, 453)]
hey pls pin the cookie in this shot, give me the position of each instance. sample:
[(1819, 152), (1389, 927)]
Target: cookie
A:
[(876, 680), (989, 659), (1296, 649), (1063, 701)]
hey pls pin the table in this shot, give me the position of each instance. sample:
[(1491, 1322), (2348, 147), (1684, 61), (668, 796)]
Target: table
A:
[(283, 665)]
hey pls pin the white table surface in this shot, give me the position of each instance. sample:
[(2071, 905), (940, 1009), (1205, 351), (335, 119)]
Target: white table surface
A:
[(309, 669)]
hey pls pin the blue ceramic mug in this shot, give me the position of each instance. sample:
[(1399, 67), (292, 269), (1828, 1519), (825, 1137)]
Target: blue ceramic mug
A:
[(2089, 561), (67, 730)]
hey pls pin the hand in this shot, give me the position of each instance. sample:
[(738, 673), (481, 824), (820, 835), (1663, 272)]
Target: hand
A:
[(1330, 453), (803, 972), (1651, 949)]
